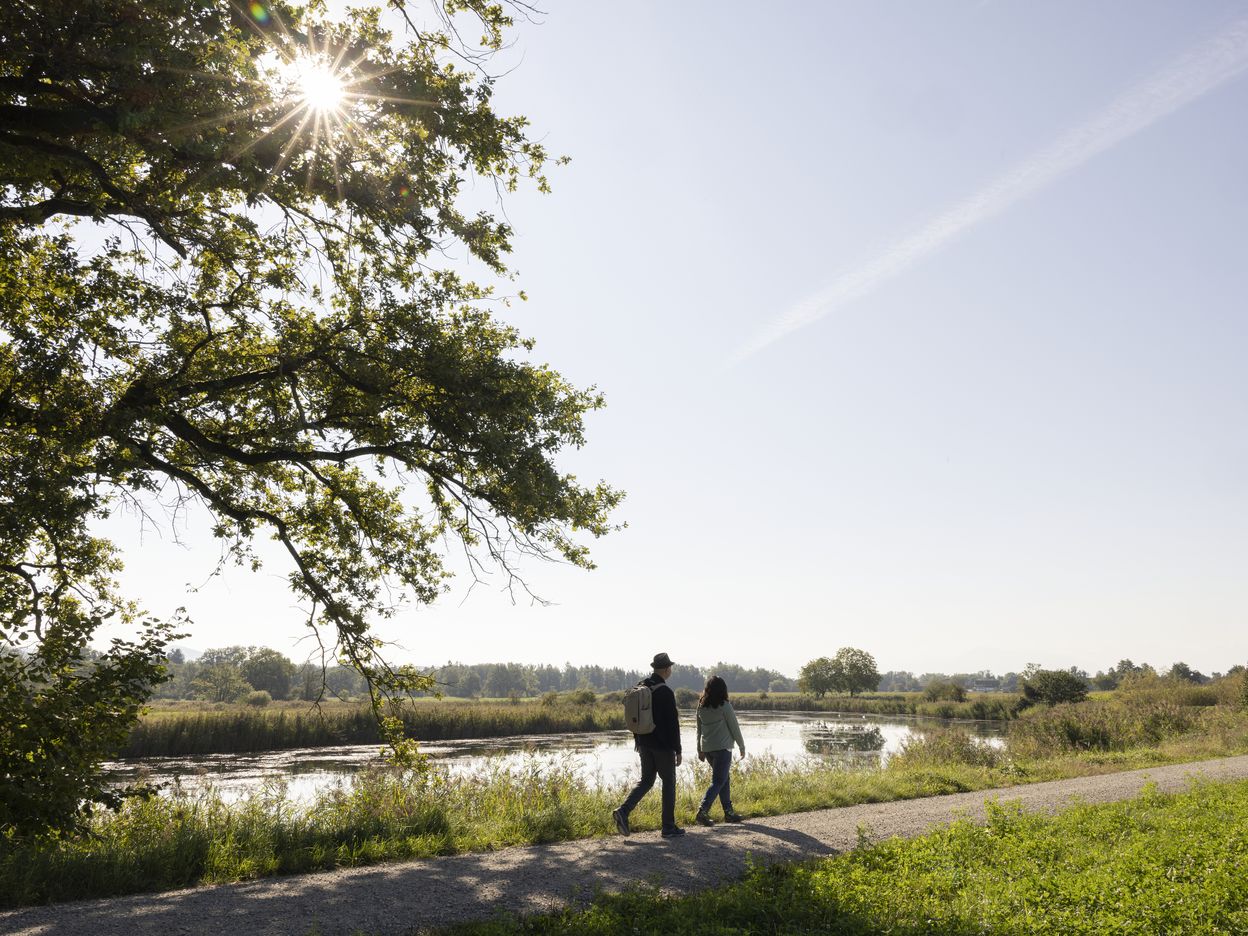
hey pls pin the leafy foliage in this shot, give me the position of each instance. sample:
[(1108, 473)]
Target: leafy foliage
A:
[(950, 691), (64, 710), (818, 677), (258, 321), (851, 670), (857, 670), (1054, 687)]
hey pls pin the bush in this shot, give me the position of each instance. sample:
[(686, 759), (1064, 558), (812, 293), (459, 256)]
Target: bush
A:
[(1099, 726), (550, 698), (943, 748), (258, 699), (944, 692), (1054, 687), (686, 698), (582, 697)]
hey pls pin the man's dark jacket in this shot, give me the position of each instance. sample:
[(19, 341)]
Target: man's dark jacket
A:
[(666, 734)]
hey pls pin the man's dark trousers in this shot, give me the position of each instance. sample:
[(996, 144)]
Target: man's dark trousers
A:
[(661, 764)]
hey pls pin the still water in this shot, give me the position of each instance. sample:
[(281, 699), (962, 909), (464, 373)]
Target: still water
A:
[(603, 758)]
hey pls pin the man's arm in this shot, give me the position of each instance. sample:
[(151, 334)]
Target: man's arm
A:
[(666, 718)]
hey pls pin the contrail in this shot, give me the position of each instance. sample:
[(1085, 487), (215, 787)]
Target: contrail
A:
[(1194, 74)]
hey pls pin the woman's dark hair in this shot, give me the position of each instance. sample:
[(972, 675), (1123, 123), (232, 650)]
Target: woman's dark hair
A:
[(716, 692)]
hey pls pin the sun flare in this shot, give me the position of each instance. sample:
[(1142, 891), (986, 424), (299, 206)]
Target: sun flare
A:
[(319, 87)]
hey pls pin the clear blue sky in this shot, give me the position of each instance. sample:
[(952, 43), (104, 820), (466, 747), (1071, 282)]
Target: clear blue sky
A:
[(922, 329)]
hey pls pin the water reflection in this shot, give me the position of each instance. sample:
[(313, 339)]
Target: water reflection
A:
[(827, 740), (602, 759)]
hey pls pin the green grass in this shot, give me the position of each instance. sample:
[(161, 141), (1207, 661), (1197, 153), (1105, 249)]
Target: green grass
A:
[(1155, 864), (164, 843)]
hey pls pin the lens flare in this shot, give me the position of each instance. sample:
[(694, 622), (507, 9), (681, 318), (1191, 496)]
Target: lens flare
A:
[(260, 13), (319, 87)]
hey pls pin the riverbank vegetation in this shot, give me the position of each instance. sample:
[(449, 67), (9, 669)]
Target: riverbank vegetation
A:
[(238, 729), (194, 728), (1155, 864), (192, 838), (189, 728)]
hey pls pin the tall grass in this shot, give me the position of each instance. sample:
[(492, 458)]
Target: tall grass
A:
[(1117, 725), (239, 730), (987, 706)]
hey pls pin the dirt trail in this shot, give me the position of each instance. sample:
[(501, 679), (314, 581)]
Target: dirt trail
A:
[(388, 900)]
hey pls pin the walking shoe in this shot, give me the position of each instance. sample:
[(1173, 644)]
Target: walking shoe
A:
[(733, 817), (669, 833), (621, 821), (703, 818)]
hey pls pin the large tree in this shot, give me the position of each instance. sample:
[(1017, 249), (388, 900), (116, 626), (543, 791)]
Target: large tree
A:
[(222, 280), (856, 670), (818, 677)]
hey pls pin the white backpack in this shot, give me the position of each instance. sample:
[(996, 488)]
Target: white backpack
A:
[(638, 715)]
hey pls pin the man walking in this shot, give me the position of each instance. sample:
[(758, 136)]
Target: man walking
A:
[(659, 750)]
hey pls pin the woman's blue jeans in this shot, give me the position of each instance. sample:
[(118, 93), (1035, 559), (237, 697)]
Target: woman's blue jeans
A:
[(720, 762)]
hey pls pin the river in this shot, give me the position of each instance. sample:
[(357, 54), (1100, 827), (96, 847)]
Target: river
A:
[(603, 758)]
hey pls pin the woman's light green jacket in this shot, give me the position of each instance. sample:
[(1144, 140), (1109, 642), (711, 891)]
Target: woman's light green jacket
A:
[(718, 729)]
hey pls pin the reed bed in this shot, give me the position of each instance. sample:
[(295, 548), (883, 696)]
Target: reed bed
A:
[(978, 706), (239, 730)]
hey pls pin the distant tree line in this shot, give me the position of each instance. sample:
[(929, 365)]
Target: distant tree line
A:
[(232, 674), (498, 680), (986, 681)]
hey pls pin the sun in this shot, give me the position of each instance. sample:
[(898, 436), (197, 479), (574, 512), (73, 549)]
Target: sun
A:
[(319, 87)]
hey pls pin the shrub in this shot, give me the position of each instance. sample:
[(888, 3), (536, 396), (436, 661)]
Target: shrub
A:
[(550, 698), (686, 698), (1099, 726), (258, 699), (582, 697), (942, 748), (944, 692), (1054, 687)]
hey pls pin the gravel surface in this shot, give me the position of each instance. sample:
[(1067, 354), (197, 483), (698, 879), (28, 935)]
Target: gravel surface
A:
[(388, 900)]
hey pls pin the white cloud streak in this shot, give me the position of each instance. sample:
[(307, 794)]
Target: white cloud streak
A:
[(1191, 76)]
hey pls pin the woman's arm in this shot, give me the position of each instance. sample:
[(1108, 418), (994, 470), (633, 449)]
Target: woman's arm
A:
[(699, 721), (731, 717)]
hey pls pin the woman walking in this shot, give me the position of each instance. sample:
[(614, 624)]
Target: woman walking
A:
[(717, 731)]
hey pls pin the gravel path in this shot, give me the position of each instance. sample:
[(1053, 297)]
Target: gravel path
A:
[(389, 900)]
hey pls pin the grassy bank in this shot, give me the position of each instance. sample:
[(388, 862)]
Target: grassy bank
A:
[(236, 729), (1156, 864), (184, 840)]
